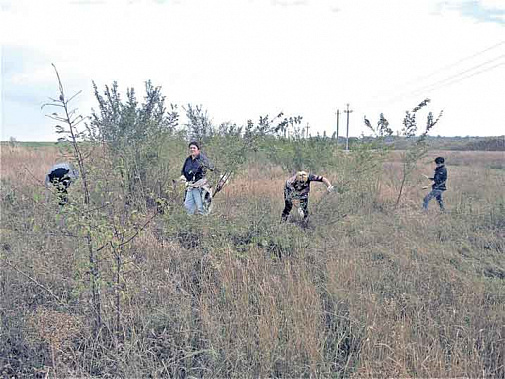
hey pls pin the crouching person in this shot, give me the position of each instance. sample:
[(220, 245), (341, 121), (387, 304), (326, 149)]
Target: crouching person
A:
[(60, 176), (297, 188), (193, 172)]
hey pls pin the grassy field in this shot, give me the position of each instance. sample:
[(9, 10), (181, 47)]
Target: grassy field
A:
[(366, 290)]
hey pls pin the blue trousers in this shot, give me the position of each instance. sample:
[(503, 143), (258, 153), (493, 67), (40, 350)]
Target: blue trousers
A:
[(437, 194), (193, 201)]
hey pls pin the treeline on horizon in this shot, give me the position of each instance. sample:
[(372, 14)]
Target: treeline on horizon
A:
[(122, 117), (456, 143)]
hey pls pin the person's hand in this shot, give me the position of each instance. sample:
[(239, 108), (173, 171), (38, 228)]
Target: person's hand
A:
[(330, 188), (425, 187), (426, 176), (182, 179)]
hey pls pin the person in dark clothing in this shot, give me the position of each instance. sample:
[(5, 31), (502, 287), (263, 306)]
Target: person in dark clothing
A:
[(193, 173), (438, 187), (297, 188), (61, 175)]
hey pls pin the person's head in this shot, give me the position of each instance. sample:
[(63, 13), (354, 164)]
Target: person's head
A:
[(302, 176), (194, 149), (439, 161)]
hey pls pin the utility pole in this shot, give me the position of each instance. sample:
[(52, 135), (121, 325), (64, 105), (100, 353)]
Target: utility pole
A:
[(347, 136), (307, 126), (338, 117)]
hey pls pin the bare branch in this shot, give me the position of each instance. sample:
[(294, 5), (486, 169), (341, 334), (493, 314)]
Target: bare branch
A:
[(75, 123), (34, 281), (56, 118), (39, 182), (51, 105), (77, 93), (59, 82), (129, 238), (138, 231)]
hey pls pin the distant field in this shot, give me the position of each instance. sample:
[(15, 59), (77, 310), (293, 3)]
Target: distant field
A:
[(28, 144), (436, 143), (485, 159), (366, 290)]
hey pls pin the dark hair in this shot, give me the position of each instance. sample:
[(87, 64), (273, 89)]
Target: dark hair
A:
[(439, 160), (194, 143)]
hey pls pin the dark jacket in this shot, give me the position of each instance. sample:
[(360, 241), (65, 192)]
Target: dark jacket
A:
[(195, 169), (440, 178)]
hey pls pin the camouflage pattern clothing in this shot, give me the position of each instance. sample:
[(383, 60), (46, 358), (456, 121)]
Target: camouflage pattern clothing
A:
[(299, 189), (296, 189), (61, 175)]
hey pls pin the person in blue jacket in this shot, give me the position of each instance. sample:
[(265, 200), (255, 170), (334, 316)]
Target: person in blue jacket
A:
[(193, 173), (439, 180)]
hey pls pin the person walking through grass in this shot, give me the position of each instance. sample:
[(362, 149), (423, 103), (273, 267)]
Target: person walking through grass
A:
[(60, 176), (438, 187), (297, 188), (193, 173)]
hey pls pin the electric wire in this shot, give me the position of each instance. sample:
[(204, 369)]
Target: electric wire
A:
[(444, 68), (450, 79), (469, 76)]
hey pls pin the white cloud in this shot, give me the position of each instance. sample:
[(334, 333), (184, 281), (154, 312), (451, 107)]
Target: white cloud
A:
[(498, 4), (493, 4), (243, 58)]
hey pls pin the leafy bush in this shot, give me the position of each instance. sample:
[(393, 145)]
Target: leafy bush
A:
[(134, 134)]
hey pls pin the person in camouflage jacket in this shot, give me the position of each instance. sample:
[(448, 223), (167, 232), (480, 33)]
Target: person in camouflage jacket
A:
[(298, 188)]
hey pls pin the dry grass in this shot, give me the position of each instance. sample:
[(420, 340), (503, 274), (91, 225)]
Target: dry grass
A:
[(378, 293), (27, 166)]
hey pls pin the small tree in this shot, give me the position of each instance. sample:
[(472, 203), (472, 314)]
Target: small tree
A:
[(199, 126), (134, 134), (13, 142), (70, 133), (107, 224), (382, 130), (419, 148)]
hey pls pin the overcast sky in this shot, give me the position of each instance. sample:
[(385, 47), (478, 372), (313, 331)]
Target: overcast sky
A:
[(244, 58)]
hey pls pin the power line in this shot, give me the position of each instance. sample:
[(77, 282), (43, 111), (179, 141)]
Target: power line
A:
[(469, 76), (457, 62), (448, 79), (395, 98)]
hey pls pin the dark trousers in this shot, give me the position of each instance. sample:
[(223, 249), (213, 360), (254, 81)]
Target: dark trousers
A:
[(437, 194), (288, 205)]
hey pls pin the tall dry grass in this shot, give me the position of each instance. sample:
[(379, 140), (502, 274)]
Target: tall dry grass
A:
[(365, 291), (26, 165)]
